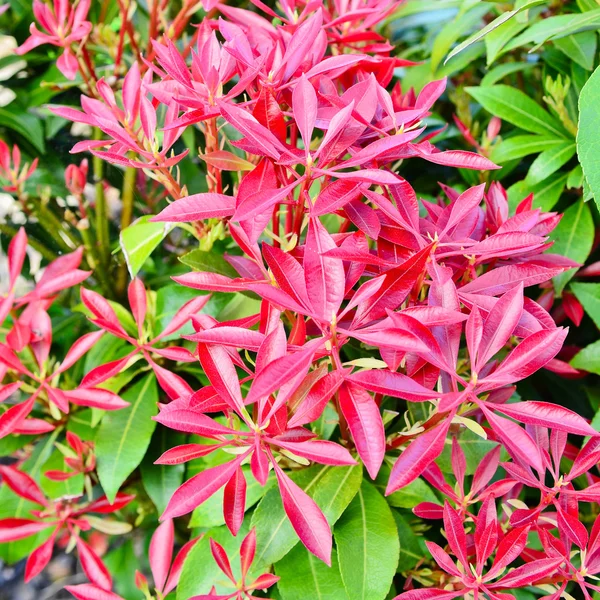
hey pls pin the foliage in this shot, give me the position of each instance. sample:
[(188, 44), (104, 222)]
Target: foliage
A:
[(266, 345)]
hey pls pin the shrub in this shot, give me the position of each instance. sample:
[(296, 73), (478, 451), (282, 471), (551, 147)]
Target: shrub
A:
[(277, 348)]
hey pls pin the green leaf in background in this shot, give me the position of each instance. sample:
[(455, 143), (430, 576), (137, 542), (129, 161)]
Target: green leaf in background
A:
[(573, 238), (588, 359), (588, 141), (412, 547), (545, 193), (503, 18), (504, 70), (305, 576), (332, 488), (517, 108), (555, 28), (139, 240), (124, 435), (13, 506), (210, 513), (524, 145), (200, 571), (579, 47), (57, 489), (453, 30), (474, 447), (211, 261), (160, 481), (589, 296), (368, 547), (414, 493), (24, 123), (549, 161)]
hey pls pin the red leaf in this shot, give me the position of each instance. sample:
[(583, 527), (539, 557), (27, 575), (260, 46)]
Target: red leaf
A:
[(306, 517), (234, 501), (89, 591), (200, 488), (365, 424), (39, 558), (197, 207), (22, 485), (93, 567), (161, 553), (417, 456)]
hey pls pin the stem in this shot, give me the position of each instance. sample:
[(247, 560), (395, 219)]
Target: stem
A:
[(101, 209), (45, 252), (126, 218)]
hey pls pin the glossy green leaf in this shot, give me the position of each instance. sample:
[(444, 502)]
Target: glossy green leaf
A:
[(139, 240), (580, 47), (124, 435), (545, 193), (453, 30), (573, 238), (57, 489), (368, 548), (497, 22), (304, 576), (474, 447), (12, 505), (160, 481), (200, 571), (588, 142), (211, 261), (332, 488), (210, 513), (517, 108), (549, 161), (412, 546), (504, 70), (24, 123), (523, 145), (588, 359), (589, 296)]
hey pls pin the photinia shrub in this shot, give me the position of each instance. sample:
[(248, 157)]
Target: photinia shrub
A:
[(276, 362)]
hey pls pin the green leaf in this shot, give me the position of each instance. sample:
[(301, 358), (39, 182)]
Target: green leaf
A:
[(210, 513), (139, 240), (412, 546), (455, 29), (368, 548), (573, 238), (575, 179), (545, 193), (503, 18), (332, 488), (24, 123), (409, 496), (170, 298), (12, 505), (57, 489), (474, 447), (549, 161), (497, 39), (160, 481), (211, 261), (588, 359), (200, 571), (501, 71), (305, 576), (588, 142), (555, 28), (517, 108), (579, 47), (589, 296), (523, 145), (124, 435)]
